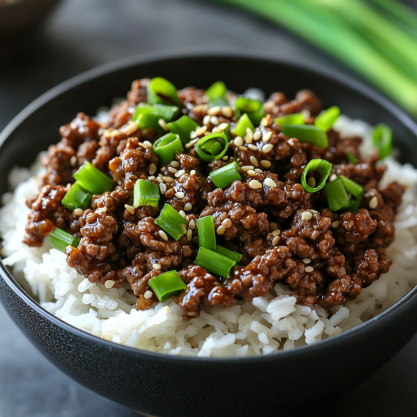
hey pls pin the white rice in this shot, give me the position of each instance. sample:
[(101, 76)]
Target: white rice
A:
[(264, 326)]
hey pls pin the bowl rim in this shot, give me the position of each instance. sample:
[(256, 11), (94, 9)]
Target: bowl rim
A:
[(142, 59)]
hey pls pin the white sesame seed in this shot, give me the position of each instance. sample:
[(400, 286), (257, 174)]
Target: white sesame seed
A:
[(109, 284), (192, 172), (249, 135), (254, 184), (247, 167), (251, 173), (311, 182), (192, 224), (175, 164), (156, 266), (78, 212), (238, 141), (309, 269), (163, 235), (183, 214), (273, 226), (254, 161), (265, 163), (162, 123), (222, 126), (264, 121), (160, 180), (180, 194), (152, 169), (213, 111), (306, 215), (168, 179), (306, 260), (227, 111), (267, 136), (179, 173), (73, 160), (275, 240), (130, 128), (276, 232), (172, 169), (225, 158), (267, 148), (243, 148), (188, 207), (332, 177), (148, 294), (130, 209), (252, 147), (257, 135), (373, 204), (258, 170), (200, 131), (336, 224), (214, 120), (184, 228), (227, 223), (193, 134), (189, 234), (104, 209), (220, 230), (201, 107), (270, 182), (206, 120), (313, 211), (147, 144)]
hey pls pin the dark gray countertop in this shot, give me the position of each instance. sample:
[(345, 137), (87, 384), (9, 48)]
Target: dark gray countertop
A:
[(83, 34)]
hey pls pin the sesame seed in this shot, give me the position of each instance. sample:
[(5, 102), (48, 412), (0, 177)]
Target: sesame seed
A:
[(306, 215), (268, 105), (172, 169), (201, 107), (175, 164), (222, 126), (192, 224), (243, 148), (168, 310), (273, 226), (214, 120), (247, 167), (252, 147), (266, 136), (258, 170), (336, 224), (188, 207), (227, 111), (251, 173), (254, 184), (342, 271), (152, 169), (249, 135), (130, 128), (106, 133), (207, 133), (193, 134), (162, 123), (332, 177), (179, 194), (213, 111), (221, 230), (115, 133), (156, 266), (311, 182), (184, 228), (147, 144), (168, 179), (306, 260), (309, 269), (103, 209), (276, 232), (270, 182), (200, 131), (78, 212), (265, 163), (225, 158), (192, 172), (253, 161), (206, 120), (148, 294), (189, 234), (160, 180), (179, 173), (227, 223), (238, 141), (130, 209), (267, 148), (73, 160), (275, 240), (109, 284), (257, 135), (163, 235), (373, 204)]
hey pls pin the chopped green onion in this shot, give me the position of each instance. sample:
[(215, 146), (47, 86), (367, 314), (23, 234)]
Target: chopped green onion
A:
[(147, 115), (208, 150), (328, 118), (216, 94), (214, 262), (382, 140), (145, 193), (93, 180), (290, 119), (336, 195), (352, 158), (252, 107), (167, 147), (183, 127), (60, 239), (225, 175), (307, 134), (353, 187), (161, 91), (76, 197), (242, 124), (324, 168), (234, 256), (206, 233), (167, 285), (171, 222)]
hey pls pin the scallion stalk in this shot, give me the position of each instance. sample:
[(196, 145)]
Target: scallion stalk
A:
[(60, 239), (234, 256), (290, 119), (147, 115), (336, 195), (183, 127), (214, 262), (171, 221), (76, 197), (93, 180), (252, 107), (145, 193), (353, 188), (382, 140), (242, 124), (351, 157), (324, 168), (216, 94), (167, 285), (206, 233), (167, 147), (225, 175), (328, 118), (307, 134), (161, 91), (212, 146)]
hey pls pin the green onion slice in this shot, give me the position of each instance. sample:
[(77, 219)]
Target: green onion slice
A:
[(212, 146), (324, 168), (382, 140), (60, 239), (242, 124), (216, 94), (167, 285), (214, 262), (234, 256), (352, 158), (161, 91), (167, 147), (93, 180), (225, 175), (206, 233), (307, 134), (147, 115), (336, 195), (353, 187), (327, 119), (183, 127), (145, 193), (171, 222), (76, 197), (290, 119), (252, 107)]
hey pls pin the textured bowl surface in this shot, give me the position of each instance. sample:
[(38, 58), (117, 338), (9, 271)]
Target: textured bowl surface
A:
[(282, 384)]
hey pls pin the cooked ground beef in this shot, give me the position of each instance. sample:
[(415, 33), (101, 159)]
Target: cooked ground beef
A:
[(284, 233)]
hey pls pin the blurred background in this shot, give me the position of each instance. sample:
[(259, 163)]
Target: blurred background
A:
[(44, 42)]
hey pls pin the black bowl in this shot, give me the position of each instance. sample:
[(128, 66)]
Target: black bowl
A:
[(279, 384)]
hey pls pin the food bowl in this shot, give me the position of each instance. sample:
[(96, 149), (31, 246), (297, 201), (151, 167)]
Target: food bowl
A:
[(281, 384)]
